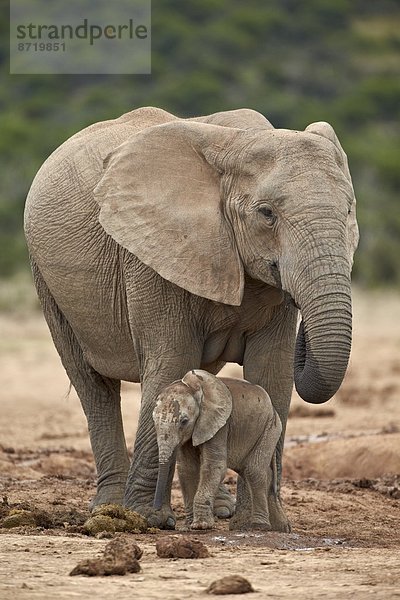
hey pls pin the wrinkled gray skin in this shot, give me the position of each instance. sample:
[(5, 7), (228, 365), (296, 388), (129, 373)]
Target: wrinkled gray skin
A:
[(214, 424), (160, 245)]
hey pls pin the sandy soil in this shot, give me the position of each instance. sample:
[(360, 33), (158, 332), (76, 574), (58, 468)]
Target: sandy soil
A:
[(341, 488)]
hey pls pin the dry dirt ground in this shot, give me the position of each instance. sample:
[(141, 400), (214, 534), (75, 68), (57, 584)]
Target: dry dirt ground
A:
[(341, 488)]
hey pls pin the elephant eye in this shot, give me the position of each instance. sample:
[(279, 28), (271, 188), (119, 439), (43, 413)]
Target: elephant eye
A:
[(184, 421), (268, 214)]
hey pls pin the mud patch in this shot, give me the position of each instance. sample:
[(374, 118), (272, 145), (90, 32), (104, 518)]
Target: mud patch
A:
[(276, 541), (366, 456), (387, 486), (36, 463)]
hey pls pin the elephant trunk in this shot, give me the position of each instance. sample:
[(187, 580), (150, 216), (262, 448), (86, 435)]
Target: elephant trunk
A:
[(324, 338), (164, 469)]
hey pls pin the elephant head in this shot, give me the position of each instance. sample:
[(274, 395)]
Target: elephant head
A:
[(195, 408), (202, 204)]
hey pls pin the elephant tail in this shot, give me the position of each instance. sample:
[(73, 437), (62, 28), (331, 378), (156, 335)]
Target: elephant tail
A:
[(274, 466)]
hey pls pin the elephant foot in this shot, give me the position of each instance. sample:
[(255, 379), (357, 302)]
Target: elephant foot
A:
[(240, 522), (246, 526), (261, 526), (111, 494), (237, 525), (202, 524), (162, 519), (277, 516), (281, 525), (224, 503)]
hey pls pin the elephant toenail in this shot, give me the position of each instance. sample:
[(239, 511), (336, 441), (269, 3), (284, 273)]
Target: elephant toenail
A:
[(170, 523)]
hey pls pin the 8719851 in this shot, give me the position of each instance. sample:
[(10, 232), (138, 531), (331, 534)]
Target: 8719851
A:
[(41, 47)]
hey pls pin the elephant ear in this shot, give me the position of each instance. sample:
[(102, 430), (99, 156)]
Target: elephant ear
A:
[(215, 405), (326, 130), (242, 118), (160, 199)]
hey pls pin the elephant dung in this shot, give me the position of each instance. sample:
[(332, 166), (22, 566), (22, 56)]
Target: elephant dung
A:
[(122, 546), (120, 556), (233, 584), (19, 518), (134, 521), (99, 523), (114, 517), (25, 515), (183, 547), (115, 511)]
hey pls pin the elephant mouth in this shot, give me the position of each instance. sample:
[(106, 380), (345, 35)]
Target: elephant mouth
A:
[(273, 267), (294, 303)]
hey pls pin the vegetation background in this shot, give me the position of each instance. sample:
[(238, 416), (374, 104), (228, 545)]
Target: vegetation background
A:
[(295, 62)]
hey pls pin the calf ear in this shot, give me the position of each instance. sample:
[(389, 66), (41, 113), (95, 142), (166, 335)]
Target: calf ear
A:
[(160, 199), (215, 406)]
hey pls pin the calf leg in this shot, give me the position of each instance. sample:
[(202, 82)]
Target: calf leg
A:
[(188, 471), (244, 505)]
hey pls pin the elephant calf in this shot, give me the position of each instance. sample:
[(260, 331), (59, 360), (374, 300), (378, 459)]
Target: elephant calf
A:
[(214, 423)]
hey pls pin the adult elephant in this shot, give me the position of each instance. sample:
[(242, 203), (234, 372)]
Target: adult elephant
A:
[(160, 245)]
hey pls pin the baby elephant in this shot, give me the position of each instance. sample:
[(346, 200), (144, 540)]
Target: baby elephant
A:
[(215, 423)]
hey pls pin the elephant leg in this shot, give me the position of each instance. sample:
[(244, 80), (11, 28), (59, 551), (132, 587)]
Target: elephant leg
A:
[(259, 481), (224, 504), (211, 474), (277, 514), (275, 509), (140, 489), (268, 362), (213, 460), (100, 399), (188, 471), (244, 506), (265, 494), (101, 402), (261, 473)]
